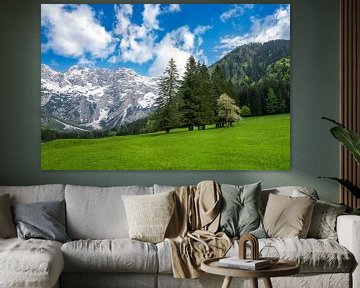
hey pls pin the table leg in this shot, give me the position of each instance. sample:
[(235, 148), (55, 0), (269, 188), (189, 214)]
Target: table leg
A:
[(267, 283), (227, 282), (254, 282)]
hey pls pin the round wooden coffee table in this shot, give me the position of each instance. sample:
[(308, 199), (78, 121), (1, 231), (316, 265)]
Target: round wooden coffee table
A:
[(281, 268)]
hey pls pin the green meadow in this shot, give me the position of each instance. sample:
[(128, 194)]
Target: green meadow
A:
[(255, 143)]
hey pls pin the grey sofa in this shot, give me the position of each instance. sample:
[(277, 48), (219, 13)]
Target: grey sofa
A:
[(101, 255)]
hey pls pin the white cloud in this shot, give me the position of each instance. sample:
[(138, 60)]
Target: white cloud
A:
[(202, 29), (123, 15), (150, 14), (236, 11), (86, 62), (139, 43), (136, 41), (275, 26), (173, 8), (74, 31), (179, 44)]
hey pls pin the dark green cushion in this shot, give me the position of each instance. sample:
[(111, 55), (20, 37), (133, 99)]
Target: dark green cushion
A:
[(43, 220), (240, 213)]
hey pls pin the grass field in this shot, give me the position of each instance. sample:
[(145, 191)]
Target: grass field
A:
[(261, 143)]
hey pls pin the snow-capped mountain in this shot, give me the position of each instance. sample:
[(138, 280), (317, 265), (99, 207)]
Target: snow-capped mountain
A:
[(94, 98)]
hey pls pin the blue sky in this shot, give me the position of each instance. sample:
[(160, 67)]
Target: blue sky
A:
[(144, 37)]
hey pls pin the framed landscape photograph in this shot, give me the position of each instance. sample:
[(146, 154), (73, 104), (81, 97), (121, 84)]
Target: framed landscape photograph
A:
[(165, 86)]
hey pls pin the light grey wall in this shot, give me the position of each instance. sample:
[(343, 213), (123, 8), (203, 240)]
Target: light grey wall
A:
[(314, 93)]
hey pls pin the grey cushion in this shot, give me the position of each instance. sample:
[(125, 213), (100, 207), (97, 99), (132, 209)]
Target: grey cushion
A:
[(240, 213), (7, 227), (44, 220), (323, 222), (30, 263), (35, 193), (117, 255), (98, 213)]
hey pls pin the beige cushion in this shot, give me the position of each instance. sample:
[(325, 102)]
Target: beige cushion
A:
[(149, 215), (7, 226), (293, 191), (110, 255), (287, 217)]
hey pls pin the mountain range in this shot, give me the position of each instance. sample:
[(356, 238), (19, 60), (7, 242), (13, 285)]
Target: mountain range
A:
[(89, 98), (84, 98)]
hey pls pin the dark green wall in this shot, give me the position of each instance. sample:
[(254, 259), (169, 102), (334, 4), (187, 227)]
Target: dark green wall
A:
[(314, 93)]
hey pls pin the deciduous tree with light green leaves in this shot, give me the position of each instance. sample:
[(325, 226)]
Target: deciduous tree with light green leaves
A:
[(228, 112)]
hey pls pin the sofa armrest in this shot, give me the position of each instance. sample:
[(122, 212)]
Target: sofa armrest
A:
[(348, 230)]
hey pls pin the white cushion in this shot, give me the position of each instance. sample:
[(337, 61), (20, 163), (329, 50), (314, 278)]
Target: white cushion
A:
[(98, 213), (117, 255), (30, 263)]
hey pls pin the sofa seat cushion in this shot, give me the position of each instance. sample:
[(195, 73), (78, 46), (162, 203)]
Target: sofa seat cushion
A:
[(115, 255), (313, 255), (30, 263)]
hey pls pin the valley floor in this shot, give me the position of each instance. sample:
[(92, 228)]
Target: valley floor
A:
[(255, 143)]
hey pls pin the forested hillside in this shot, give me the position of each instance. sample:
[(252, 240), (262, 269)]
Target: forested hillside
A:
[(260, 73)]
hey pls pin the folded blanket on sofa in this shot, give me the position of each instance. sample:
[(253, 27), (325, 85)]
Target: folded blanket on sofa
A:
[(191, 231)]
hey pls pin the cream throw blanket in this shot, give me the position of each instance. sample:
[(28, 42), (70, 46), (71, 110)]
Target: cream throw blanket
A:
[(191, 231)]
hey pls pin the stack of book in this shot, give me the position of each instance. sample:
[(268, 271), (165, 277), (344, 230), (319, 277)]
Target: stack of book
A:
[(248, 264)]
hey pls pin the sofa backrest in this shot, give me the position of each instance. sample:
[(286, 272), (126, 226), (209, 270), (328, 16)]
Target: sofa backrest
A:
[(35, 193), (98, 212)]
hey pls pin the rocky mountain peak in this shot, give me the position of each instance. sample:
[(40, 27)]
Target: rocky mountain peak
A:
[(94, 98)]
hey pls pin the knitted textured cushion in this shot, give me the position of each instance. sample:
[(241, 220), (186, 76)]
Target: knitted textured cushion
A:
[(149, 215)]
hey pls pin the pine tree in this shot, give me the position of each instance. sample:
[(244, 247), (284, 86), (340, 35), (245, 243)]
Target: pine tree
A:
[(188, 94), (204, 113), (271, 102), (167, 115)]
